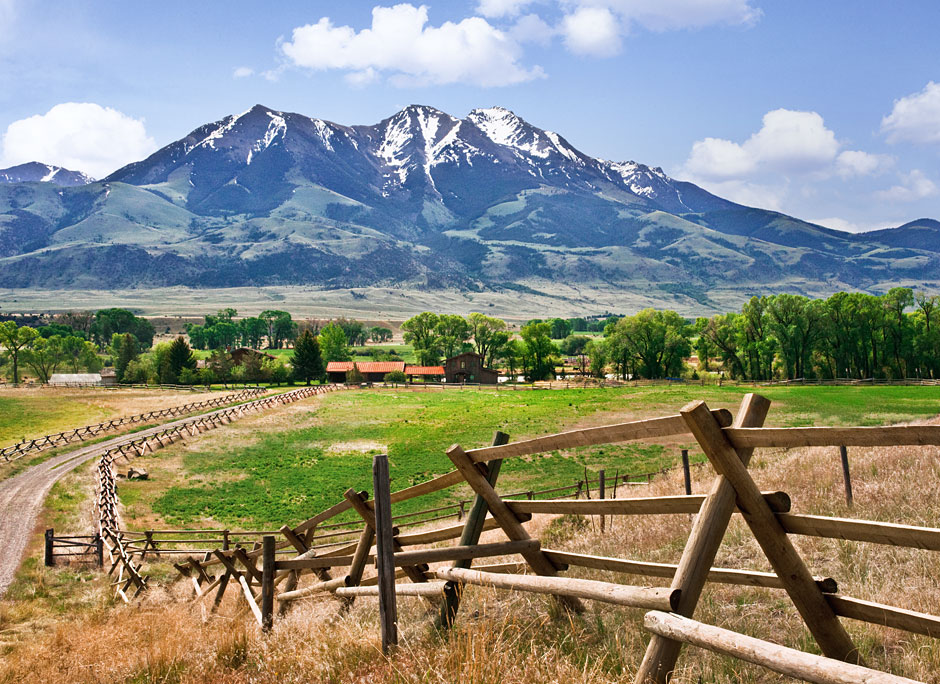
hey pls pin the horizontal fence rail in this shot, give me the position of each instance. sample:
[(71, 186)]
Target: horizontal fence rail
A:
[(80, 434)]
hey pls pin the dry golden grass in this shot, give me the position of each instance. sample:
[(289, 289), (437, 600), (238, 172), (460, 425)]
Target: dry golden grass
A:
[(504, 637)]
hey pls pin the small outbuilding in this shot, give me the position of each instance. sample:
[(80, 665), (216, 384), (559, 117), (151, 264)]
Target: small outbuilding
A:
[(468, 367), (375, 371), (336, 370), (108, 377), (241, 353), (426, 373), (75, 379)]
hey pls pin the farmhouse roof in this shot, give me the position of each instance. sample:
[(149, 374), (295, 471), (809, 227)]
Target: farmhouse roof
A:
[(380, 366), (339, 366), (74, 379), (424, 370)]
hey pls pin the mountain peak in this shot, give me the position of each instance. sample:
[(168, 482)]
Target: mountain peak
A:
[(37, 172)]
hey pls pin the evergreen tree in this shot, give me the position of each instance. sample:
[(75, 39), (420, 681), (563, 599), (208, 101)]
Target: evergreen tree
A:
[(306, 359), (180, 357)]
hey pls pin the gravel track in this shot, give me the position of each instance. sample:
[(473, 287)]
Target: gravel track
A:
[(22, 496)]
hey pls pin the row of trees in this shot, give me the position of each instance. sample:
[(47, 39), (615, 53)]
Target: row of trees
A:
[(24, 346), (221, 330)]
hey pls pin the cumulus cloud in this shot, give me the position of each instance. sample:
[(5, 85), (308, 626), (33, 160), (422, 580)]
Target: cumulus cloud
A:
[(789, 141), (913, 186), (915, 118), (858, 163), (501, 8), (243, 72), (531, 28), (81, 136), (592, 31), (402, 45)]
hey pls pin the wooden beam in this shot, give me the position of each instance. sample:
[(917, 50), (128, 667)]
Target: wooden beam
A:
[(385, 565), (425, 590), (445, 533), (452, 553), (700, 550), (892, 435), (268, 572), (473, 527), (780, 659), (506, 518), (619, 594), (607, 434), (822, 622), (889, 616), (750, 578), (872, 531), (654, 505)]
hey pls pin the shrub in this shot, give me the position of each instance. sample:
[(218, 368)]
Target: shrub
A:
[(396, 376)]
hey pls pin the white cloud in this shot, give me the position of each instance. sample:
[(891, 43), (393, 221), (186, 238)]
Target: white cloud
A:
[(401, 44), (81, 136), (914, 186), (532, 29), (842, 224), (243, 72), (751, 194), (788, 142), (501, 8), (592, 31), (858, 163), (915, 118)]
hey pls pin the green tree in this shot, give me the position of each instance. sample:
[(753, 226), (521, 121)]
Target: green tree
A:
[(281, 328), (561, 328), (124, 349), (14, 339), (539, 350), (395, 376), (252, 330), (489, 336), (421, 333), (379, 333), (598, 354), (512, 353), (180, 357), (333, 344), (306, 360), (109, 322), (452, 332), (650, 344), (44, 356)]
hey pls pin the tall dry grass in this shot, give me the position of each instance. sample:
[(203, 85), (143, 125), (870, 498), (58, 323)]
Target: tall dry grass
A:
[(512, 637)]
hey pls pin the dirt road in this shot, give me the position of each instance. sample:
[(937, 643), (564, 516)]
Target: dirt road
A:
[(21, 497)]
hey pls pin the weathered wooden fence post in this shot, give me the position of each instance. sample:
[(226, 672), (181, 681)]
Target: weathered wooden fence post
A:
[(846, 477), (267, 582), (472, 529), (601, 488), (384, 560), (686, 472), (49, 557), (99, 550)]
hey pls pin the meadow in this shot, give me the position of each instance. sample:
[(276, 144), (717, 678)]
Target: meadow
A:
[(298, 462)]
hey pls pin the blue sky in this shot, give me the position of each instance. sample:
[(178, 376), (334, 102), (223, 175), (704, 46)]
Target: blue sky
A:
[(829, 111)]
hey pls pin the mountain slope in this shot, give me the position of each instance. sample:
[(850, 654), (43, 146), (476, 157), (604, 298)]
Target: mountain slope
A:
[(420, 198)]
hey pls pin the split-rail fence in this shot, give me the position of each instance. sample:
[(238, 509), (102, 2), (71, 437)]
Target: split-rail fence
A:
[(264, 578), (80, 434)]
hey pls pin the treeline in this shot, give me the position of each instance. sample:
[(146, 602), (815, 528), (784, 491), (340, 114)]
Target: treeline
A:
[(71, 341)]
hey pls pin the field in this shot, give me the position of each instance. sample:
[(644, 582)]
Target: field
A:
[(62, 625), (298, 462)]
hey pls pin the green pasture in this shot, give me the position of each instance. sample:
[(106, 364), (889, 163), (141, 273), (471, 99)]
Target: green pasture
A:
[(286, 475), (27, 415)]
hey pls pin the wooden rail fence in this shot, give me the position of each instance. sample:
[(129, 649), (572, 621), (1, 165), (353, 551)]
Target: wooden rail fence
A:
[(121, 549), (80, 434), (268, 576)]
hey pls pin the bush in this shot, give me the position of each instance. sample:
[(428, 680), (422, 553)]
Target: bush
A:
[(396, 376), (354, 377)]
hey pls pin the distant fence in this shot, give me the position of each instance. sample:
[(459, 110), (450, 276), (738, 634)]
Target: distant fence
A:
[(116, 545), (80, 434)]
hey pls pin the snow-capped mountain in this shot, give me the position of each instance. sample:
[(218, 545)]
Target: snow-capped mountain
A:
[(34, 172), (272, 197)]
